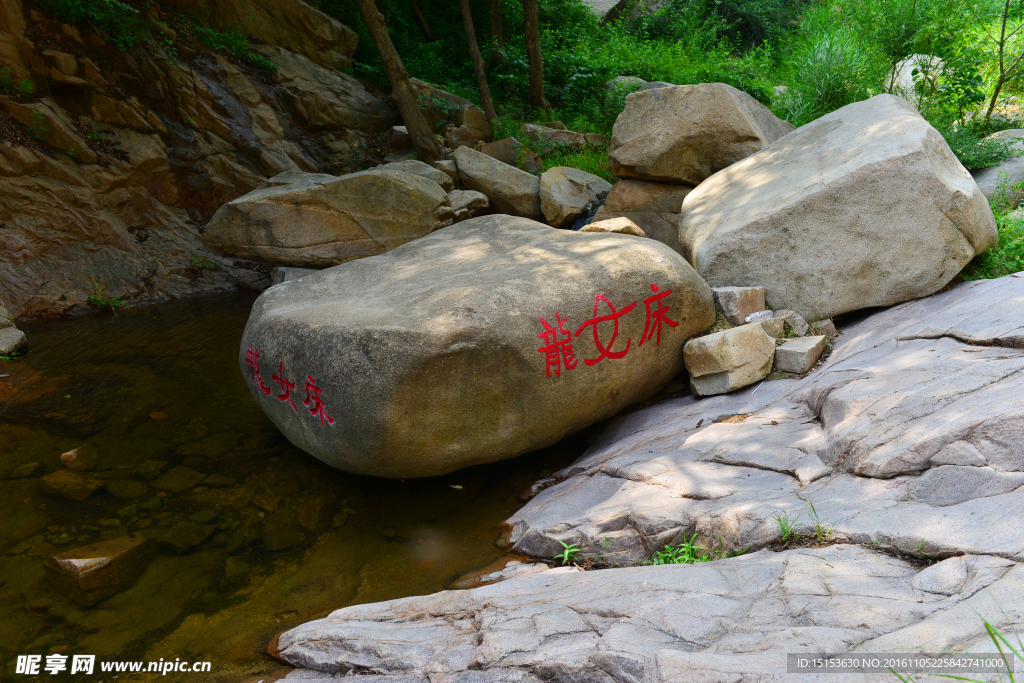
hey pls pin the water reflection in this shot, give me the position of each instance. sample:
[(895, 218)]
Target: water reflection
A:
[(251, 535)]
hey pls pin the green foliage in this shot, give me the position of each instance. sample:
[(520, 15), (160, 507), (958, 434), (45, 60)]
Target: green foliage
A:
[(229, 42), (787, 527), (688, 552), (590, 159), (570, 553), (198, 262), (1008, 256), (10, 357), (822, 531), (119, 21), (100, 300), (36, 124), (974, 150), (8, 87)]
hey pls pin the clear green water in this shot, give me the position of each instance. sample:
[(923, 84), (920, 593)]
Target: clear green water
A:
[(97, 379)]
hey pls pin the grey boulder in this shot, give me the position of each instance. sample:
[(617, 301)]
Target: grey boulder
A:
[(482, 341), (654, 207), (866, 206), (312, 220), (509, 190), (685, 133), (567, 193)]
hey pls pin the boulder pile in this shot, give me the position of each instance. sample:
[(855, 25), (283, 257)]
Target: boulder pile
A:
[(866, 206), (669, 139)]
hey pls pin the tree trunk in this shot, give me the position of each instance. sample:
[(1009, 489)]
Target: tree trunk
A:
[(497, 35), (423, 140), (423, 21), (532, 35), (478, 62)]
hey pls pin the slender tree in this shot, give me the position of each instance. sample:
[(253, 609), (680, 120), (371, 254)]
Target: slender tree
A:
[(478, 62), (497, 35), (532, 35), (423, 140), (423, 21), (1008, 61)]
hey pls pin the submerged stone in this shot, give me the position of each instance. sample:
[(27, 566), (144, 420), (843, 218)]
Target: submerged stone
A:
[(89, 574), (69, 484)]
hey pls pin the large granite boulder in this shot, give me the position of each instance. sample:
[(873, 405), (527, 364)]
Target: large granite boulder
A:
[(866, 206), (685, 133), (470, 345), (654, 207), (734, 620), (509, 190), (312, 220), (908, 436), (567, 193)]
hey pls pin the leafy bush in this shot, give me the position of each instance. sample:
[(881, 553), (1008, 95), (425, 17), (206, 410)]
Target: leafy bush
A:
[(1008, 256), (118, 20), (229, 42)]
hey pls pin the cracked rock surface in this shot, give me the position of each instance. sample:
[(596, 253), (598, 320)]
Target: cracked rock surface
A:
[(911, 433), (730, 620), (910, 437)]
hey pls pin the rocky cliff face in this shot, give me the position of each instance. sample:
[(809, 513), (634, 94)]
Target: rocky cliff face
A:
[(111, 161)]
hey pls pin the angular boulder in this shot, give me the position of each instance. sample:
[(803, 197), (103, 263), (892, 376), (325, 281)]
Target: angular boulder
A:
[(654, 207), (686, 133), (567, 193), (866, 206), (799, 355), (421, 169), (739, 302), (12, 340), (513, 153), (552, 137), (311, 220), (438, 105), (728, 360), (510, 190), (473, 344), (623, 226)]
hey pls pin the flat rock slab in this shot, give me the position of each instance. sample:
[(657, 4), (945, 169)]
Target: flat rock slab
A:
[(69, 484), (866, 206), (470, 345), (739, 302), (731, 620), (908, 436)]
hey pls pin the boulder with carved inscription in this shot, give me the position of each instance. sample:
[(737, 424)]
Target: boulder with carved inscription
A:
[(488, 339)]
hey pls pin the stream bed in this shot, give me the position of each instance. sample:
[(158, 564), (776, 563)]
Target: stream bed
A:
[(156, 391)]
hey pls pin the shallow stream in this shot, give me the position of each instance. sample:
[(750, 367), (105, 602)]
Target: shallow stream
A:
[(157, 388)]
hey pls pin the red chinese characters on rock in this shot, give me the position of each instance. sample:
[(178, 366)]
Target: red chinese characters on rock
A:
[(286, 386), (314, 394), (658, 316), (557, 352), (557, 348), (314, 402), (252, 359), (614, 316)]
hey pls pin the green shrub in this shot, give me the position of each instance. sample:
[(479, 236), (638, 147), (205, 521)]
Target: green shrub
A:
[(1008, 256), (120, 21), (229, 42)]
